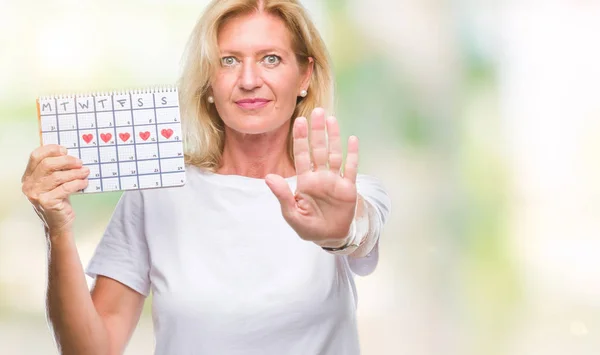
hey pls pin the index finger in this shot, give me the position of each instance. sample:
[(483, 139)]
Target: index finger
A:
[(40, 153)]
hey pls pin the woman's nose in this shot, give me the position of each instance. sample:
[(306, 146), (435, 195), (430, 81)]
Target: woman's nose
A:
[(250, 76)]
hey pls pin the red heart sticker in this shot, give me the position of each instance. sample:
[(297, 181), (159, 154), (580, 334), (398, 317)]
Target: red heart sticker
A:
[(105, 137), (124, 136), (87, 137), (167, 133), (144, 135)]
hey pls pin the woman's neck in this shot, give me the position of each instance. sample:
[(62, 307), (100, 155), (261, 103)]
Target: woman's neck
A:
[(256, 155)]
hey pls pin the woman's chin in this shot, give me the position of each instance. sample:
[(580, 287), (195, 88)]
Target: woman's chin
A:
[(260, 126)]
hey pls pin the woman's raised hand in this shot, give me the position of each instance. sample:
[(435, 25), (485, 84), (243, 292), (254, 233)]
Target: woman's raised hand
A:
[(50, 177), (324, 204)]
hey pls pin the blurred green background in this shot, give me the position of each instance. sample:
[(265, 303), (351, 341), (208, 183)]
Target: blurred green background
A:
[(482, 118)]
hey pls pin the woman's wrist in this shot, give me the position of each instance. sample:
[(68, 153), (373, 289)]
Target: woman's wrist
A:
[(58, 237), (357, 234), (341, 243)]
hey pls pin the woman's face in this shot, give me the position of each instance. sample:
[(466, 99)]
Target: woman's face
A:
[(259, 79)]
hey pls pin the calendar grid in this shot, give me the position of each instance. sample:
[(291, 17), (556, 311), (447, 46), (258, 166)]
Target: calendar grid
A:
[(142, 160), (97, 141), (57, 123), (137, 168), (114, 135), (157, 143), (117, 126), (77, 127), (112, 99), (148, 174), (138, 109)]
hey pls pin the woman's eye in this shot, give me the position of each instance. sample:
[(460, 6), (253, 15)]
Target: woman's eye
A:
[(272, 59), (228, 61)]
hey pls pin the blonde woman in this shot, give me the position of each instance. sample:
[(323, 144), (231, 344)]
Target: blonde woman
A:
[(256, 254)]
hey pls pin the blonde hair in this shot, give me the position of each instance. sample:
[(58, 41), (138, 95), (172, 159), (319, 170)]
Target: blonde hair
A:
[(203, 129)]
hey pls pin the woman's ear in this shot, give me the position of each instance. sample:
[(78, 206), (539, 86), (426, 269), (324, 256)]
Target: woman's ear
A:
[(307, 74)]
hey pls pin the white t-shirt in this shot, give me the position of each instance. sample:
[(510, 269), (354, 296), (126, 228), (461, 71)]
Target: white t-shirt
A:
[(227, 273)]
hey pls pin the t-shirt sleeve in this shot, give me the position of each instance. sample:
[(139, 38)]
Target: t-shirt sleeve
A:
[(122, 253), (372, 191)]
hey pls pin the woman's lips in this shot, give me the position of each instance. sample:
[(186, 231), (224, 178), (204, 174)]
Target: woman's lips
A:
[(251, 104)]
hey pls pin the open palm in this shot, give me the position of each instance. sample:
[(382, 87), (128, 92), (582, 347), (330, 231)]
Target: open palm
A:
[(324, 204)]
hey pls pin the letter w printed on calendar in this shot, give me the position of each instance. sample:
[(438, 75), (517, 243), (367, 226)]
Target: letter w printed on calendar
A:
[(128, 140)]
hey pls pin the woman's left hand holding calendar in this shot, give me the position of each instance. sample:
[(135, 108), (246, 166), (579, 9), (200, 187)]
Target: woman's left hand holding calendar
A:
[(50, 177)]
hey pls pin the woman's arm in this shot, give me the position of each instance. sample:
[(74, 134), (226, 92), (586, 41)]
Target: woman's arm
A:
[(100, 323), (120, 308), (82, 323), (368, 228)]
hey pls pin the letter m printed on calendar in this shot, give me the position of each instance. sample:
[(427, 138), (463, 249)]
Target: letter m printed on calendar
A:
[(128, 140)]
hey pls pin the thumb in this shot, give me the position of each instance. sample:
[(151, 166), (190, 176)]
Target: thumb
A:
[(282, 191)]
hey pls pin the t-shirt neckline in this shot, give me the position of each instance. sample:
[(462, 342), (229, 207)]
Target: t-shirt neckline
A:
[(235, 180)]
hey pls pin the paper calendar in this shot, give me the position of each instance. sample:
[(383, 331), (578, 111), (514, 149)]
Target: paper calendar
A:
[(128, 140)]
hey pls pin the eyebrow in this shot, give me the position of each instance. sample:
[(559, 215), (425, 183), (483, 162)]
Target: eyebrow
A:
[(260, 52)]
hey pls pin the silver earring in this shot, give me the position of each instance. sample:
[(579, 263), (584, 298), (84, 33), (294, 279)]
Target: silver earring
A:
[(211, 99), (303, 93)]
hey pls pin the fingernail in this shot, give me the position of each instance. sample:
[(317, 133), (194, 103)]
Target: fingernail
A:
[(63, 150)]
